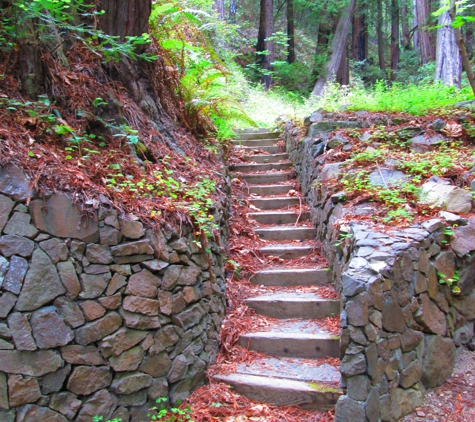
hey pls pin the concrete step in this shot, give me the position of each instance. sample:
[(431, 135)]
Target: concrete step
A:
[(288, 251), (243, 168), (266, 178), (267, 158), (286, 233), (294, 305), (278, 217), (270, 189), (281, 392), (256, 143), (292, 344), (292, 277), (275, 203), (258, 135), (270, 150)]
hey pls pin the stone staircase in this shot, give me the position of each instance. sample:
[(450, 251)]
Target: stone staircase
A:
[(292, 372)]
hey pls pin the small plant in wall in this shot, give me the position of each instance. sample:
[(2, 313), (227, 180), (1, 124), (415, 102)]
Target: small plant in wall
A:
[(174, 414), (450, 281)]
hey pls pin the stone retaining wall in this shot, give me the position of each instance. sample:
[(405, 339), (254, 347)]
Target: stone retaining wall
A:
[(100, 316), (400, 327)]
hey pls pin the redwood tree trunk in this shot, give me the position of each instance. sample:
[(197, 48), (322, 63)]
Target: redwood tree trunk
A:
[(380, 36), (232, 11), (266, 28), (425, 39), (125, 17), (338, 49), (291, 31), (448, 67), (359, 44), (219, 7), (406, 37), (395, 51)]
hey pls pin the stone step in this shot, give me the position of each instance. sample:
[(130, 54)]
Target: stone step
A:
[(294, 305), (270, 150), (281, 392), (270, 189), (267, 158), (255, 143), (258, 135), (253, 130), (292, 277), (275, 203), (243, 168), (287, 251), (286, 233), (292, 344), (278, 217), (266, 178)]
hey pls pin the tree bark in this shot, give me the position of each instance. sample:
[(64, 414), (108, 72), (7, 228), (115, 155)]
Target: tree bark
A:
[(359, 44), (395, 50), (323, 38), (290, 31), (266, 28), (380, 36), (232, 11), (406, 37), (219, 7), (462, 49), (126, 17), (448, 67), (425, 39), (343, 75), (338, 49)]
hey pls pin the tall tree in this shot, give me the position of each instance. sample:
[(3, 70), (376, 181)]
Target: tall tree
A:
[(265, 46), (219, 7), (359, 43), (232, 11), (290, 31), (338, 49), (395, 50), (425, 39), (406, 36), (462, 48), (380, 36), (448, 67)]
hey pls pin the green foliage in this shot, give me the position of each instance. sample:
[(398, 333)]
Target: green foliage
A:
[(34, 19), (295, 77), (415, 99), (206, 82), (195, 199), (165, 414)]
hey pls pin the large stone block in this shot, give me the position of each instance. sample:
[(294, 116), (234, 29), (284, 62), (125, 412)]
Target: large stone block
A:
[(42, 283), (16, 245), (357, 310), (14, 182), (65, 403), (141, 305), (15, 275), (82, 355), (22, 390), (19, 225), (56, 249), (49, 330), (93, 285), (430, 316), (98, 329), (6, 206), (144, 284), (101, 403), (438, 360), (86, 380), (35, 364), (69, 278), (393, 316), (32, 412), (21, 332), (123, 339), (349, 410), (131, 382), (59, 217), (128, 360)]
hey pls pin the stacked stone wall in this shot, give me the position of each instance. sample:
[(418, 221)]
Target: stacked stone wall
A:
[(400, 326), (100, 315)]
